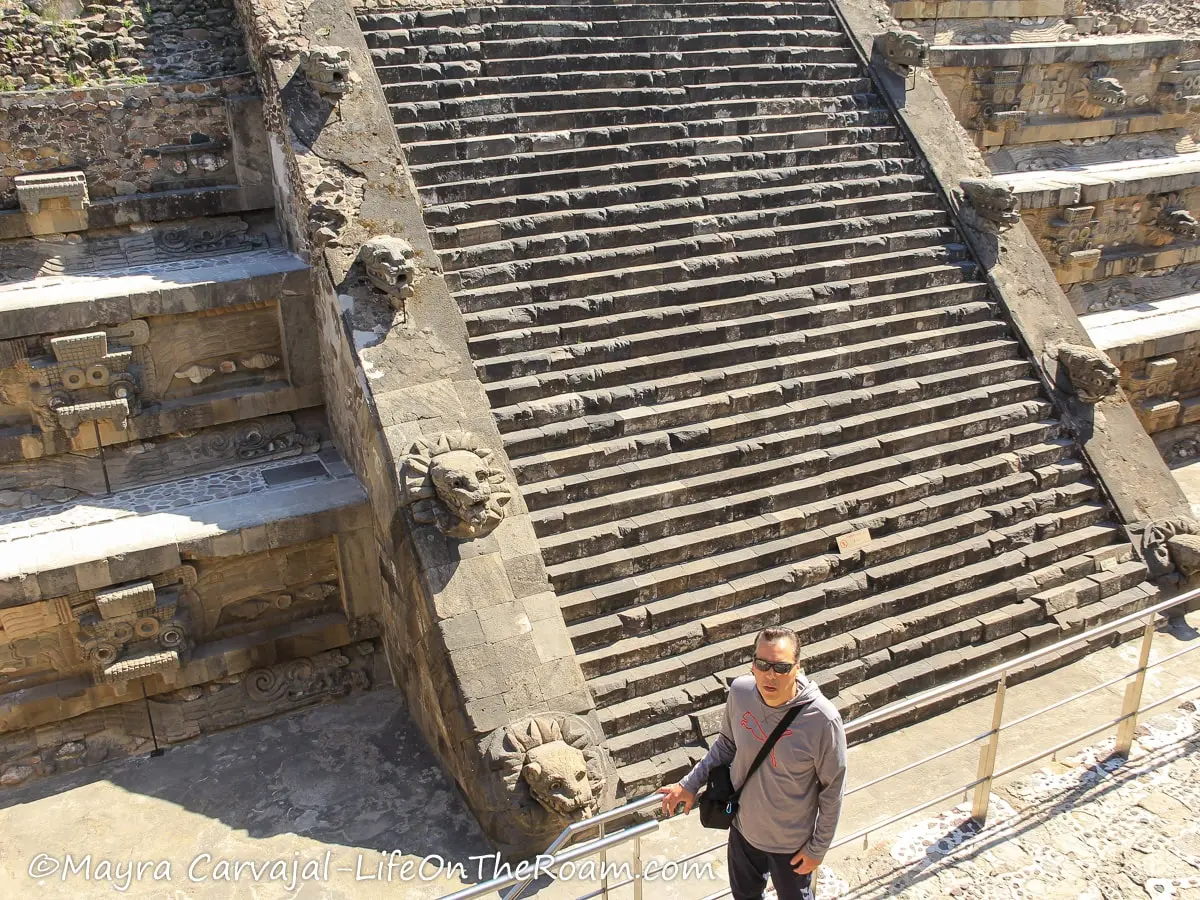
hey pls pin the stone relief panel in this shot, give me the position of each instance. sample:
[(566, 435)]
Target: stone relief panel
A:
[(22, 260), (130, 729), (99, 644), (1074, 238), (245, 593), (1062, 154), (58, 383), (112, 635), (74, 390), (1131, 290), (266, 691), (990, 96)]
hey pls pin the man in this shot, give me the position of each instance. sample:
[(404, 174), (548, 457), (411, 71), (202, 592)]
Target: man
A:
[(789, 808)]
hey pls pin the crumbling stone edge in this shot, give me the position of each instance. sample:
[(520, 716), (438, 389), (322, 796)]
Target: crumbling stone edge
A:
[(472, 628)]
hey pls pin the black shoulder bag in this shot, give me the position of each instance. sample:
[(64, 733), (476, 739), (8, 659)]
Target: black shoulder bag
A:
[(719, 802)]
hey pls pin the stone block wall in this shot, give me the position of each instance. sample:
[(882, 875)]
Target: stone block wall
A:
[(65, 43), (129, 139)]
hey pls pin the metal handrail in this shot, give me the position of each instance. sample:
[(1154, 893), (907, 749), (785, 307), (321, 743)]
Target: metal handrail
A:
[(982, 783)]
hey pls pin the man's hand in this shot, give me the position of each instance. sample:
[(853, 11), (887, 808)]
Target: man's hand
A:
[(802, 864), (673, 796)]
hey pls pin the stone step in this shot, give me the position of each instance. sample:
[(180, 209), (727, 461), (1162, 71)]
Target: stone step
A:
[(399, 89), (547, 478), (960, 463), (412, 64), (658, 199), (790, 310), (919, 312), (730, 64), (533, 34), (962, 648), (860, 224), (933, 265), (457, 17), (584, 371), (534, 46), (937, 490), (596, 154), (848, 635), (409, 131), (670, 539), (686, 418), (996, 580), (813, 443), (650, 393), (494, 106), (908, 638), (650, 766), (681, 168), (628, 215), (502, 146), (790, 266)]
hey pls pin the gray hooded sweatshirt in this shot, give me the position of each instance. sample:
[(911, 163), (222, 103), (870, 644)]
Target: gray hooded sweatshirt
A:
[(794, 799)]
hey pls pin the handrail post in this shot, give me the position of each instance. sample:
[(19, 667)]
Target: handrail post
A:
[(637, 868), (1133, 694), (603, 865), (987, 756)]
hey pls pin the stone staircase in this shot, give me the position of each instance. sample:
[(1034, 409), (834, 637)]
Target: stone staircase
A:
[(745, 370)]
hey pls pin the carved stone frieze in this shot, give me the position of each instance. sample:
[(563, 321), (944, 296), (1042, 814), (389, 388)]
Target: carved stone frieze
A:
[(1100, 94), (34, 190), (327, 70), (135, 633), (1172, 218), (307, 600), (259, 693), (389, 266), (988, 205), (1091, 375), (904, 49), (82, 377), (1179, 89), (453, 482), (550, 768), (1170, 544)]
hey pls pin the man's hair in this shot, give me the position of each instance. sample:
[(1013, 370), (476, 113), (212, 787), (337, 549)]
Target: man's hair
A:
[(779, 633)]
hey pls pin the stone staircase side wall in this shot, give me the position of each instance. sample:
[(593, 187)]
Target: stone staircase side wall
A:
[(472, 628), (1116, 445)]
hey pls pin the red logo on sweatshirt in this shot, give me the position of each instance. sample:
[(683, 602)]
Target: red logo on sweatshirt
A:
[(751, 725)]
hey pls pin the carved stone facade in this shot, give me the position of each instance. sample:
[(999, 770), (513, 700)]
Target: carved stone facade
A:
[(988, 205), (182, 548), (452, 481)]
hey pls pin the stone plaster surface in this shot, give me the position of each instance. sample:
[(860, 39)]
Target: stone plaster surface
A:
[(187, 493), (1116, 445), (352, 779)]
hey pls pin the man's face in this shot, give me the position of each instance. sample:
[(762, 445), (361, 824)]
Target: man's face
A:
[(774, 687)]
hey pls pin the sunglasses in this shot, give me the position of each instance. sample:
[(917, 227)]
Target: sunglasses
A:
[(781, 668)]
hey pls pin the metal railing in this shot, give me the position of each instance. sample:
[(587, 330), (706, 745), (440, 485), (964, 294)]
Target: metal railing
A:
[(986, 773)]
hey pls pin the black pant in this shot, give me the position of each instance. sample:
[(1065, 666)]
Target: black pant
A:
[(748, 867)]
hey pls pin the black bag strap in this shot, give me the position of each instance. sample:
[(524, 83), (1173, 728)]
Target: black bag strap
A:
[(770, 742)]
